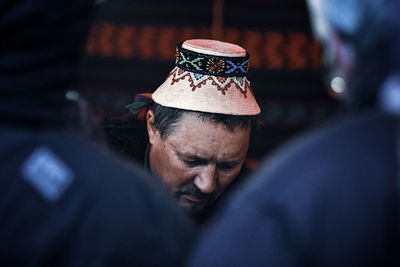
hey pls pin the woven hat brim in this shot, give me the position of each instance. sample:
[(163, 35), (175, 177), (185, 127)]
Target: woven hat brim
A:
[(206, 97)]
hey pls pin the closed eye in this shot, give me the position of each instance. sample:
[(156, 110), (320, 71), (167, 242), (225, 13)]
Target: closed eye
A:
[(194, 162), (227, 166)]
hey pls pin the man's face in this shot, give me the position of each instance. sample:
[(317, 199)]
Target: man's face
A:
[(198, 160)]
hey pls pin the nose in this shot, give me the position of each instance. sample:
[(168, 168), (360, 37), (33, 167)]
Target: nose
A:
[(206, 179)]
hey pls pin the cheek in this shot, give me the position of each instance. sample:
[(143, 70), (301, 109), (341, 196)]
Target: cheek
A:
[(178, 174), (225, 179)]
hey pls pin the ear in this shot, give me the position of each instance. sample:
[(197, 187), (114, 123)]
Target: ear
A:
[(154, 135)]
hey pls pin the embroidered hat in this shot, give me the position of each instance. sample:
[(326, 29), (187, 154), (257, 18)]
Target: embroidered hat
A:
[(209, 76)]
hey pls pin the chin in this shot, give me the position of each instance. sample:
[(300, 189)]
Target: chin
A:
[(193, 209)]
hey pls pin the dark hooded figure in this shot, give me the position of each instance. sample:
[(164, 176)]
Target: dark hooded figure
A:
[(330, 198), (64, 201)]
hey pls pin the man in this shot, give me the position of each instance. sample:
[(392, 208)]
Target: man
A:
[(199, 125), (332, 197), (65, 201)]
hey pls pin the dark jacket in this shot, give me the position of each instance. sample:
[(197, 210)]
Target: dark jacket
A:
[(330, 199), (66, 202)]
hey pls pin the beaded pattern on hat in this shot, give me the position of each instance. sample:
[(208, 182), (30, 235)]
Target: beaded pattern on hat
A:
[(211, 65), (221, 83)]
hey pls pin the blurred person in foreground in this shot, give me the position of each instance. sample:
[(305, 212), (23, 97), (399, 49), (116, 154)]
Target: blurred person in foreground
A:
[(198, 123), (65, 201), (331, 198)]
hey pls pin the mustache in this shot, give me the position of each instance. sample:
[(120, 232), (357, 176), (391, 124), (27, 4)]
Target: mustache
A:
[(193, 190)]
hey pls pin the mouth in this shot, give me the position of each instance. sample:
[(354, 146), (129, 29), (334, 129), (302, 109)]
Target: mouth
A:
[(192, 198)]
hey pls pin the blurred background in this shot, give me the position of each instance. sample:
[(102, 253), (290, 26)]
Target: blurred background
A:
[(131, 49)]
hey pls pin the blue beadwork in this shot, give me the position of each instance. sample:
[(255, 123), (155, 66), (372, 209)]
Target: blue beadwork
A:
[(242, 66), (200, 63), (198, 76)]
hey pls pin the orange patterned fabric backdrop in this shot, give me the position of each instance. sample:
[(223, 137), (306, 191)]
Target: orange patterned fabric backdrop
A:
[(272, 50)]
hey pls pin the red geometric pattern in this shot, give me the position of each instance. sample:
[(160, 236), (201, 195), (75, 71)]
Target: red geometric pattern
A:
[(221, 83)]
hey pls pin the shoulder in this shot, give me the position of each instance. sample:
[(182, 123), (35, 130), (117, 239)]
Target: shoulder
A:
[(106, 206), (319, 200), (327, 155)]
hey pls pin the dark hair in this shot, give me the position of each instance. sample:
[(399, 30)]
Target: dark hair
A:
[(166, 118)]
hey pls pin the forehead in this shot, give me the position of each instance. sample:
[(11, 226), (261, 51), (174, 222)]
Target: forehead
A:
[(208, 139)]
